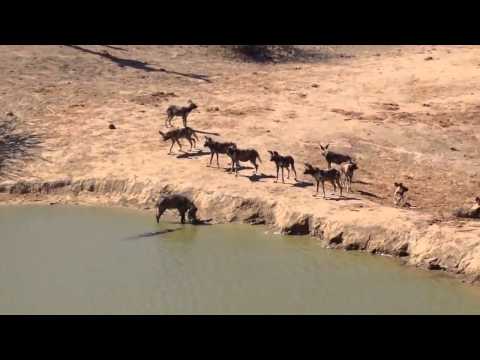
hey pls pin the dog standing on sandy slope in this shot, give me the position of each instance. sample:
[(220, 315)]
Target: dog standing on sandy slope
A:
[(176, 134), (320, 176), (243, 155), (283, 162), (347, 169), (333, 157), (216, 148), (399, 195), (181, 111)]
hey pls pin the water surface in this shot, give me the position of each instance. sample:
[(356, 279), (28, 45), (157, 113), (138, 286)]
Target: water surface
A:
[(81, 260)]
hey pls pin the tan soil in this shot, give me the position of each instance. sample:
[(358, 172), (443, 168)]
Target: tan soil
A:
[(396, 113)]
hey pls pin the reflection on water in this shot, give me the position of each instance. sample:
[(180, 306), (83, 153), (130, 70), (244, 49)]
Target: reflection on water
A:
[(74, 260)]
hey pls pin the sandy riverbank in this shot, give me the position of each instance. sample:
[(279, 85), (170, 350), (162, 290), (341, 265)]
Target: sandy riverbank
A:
[(404, 118)]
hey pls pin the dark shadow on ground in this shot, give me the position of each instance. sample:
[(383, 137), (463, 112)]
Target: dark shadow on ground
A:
[(361, 182), (115, 47), (256, 177), (137, 64), (336, 198), (189, 155), (302, 184), (240, 168), (366, 193), (16, 145)]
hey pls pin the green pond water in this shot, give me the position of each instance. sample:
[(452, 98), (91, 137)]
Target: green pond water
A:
[(82, 260)]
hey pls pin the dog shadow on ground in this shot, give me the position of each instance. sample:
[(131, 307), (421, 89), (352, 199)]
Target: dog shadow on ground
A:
[(366, 193), (189, 155), (229, 169), (361, 182), (302, 184), (257, 178), (336, 198)]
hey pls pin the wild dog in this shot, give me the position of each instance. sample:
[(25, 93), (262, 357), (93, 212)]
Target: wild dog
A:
[(181, 111), (330, 175), (399, 195), (282, 162), (180, 202), (216, 148), (333, 157), (347, 169), (242, 155), (177, 134)]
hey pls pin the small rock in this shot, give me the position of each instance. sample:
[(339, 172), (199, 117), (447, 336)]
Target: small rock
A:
[(10, 114), (315, 85), (454, 149), (428, 58), (111, 127)]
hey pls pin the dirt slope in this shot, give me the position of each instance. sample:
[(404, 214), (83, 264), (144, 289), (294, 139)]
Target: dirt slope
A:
[(406, 114)]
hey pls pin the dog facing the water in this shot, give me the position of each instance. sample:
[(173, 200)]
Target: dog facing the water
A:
[(320, 176), (283, 162), (180, 202), (181, 111)]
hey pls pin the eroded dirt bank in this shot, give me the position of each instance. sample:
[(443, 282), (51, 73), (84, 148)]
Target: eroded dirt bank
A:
[(407, 114), (417, 240)]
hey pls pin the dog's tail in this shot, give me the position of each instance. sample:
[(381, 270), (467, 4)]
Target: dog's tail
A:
[(205, 132), (163, 135)]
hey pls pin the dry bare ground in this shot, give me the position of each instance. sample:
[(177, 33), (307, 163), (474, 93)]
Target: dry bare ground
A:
[(406, 114)]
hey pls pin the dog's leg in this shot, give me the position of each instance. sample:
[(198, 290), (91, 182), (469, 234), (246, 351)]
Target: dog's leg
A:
[(211, 158), (283, 180), (182, 216), (170, 151), (294, 171), (288, 172), (179, 144), (277, 174), (323, 188), (218, 165)]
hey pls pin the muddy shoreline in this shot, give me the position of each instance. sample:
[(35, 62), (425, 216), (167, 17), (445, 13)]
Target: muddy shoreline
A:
[(412, 239)]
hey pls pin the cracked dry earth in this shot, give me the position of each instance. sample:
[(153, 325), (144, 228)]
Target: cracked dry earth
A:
[(402, 117)]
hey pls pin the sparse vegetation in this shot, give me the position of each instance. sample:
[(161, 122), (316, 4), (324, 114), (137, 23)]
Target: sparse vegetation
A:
[(16, 144)]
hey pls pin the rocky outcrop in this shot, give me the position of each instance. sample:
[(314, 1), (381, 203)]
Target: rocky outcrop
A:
[(377, 230)]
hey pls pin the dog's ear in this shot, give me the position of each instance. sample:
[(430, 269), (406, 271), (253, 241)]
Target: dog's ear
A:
[(396, 184), (477, 200), (271, 152), (322, 147), (326, 147)]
